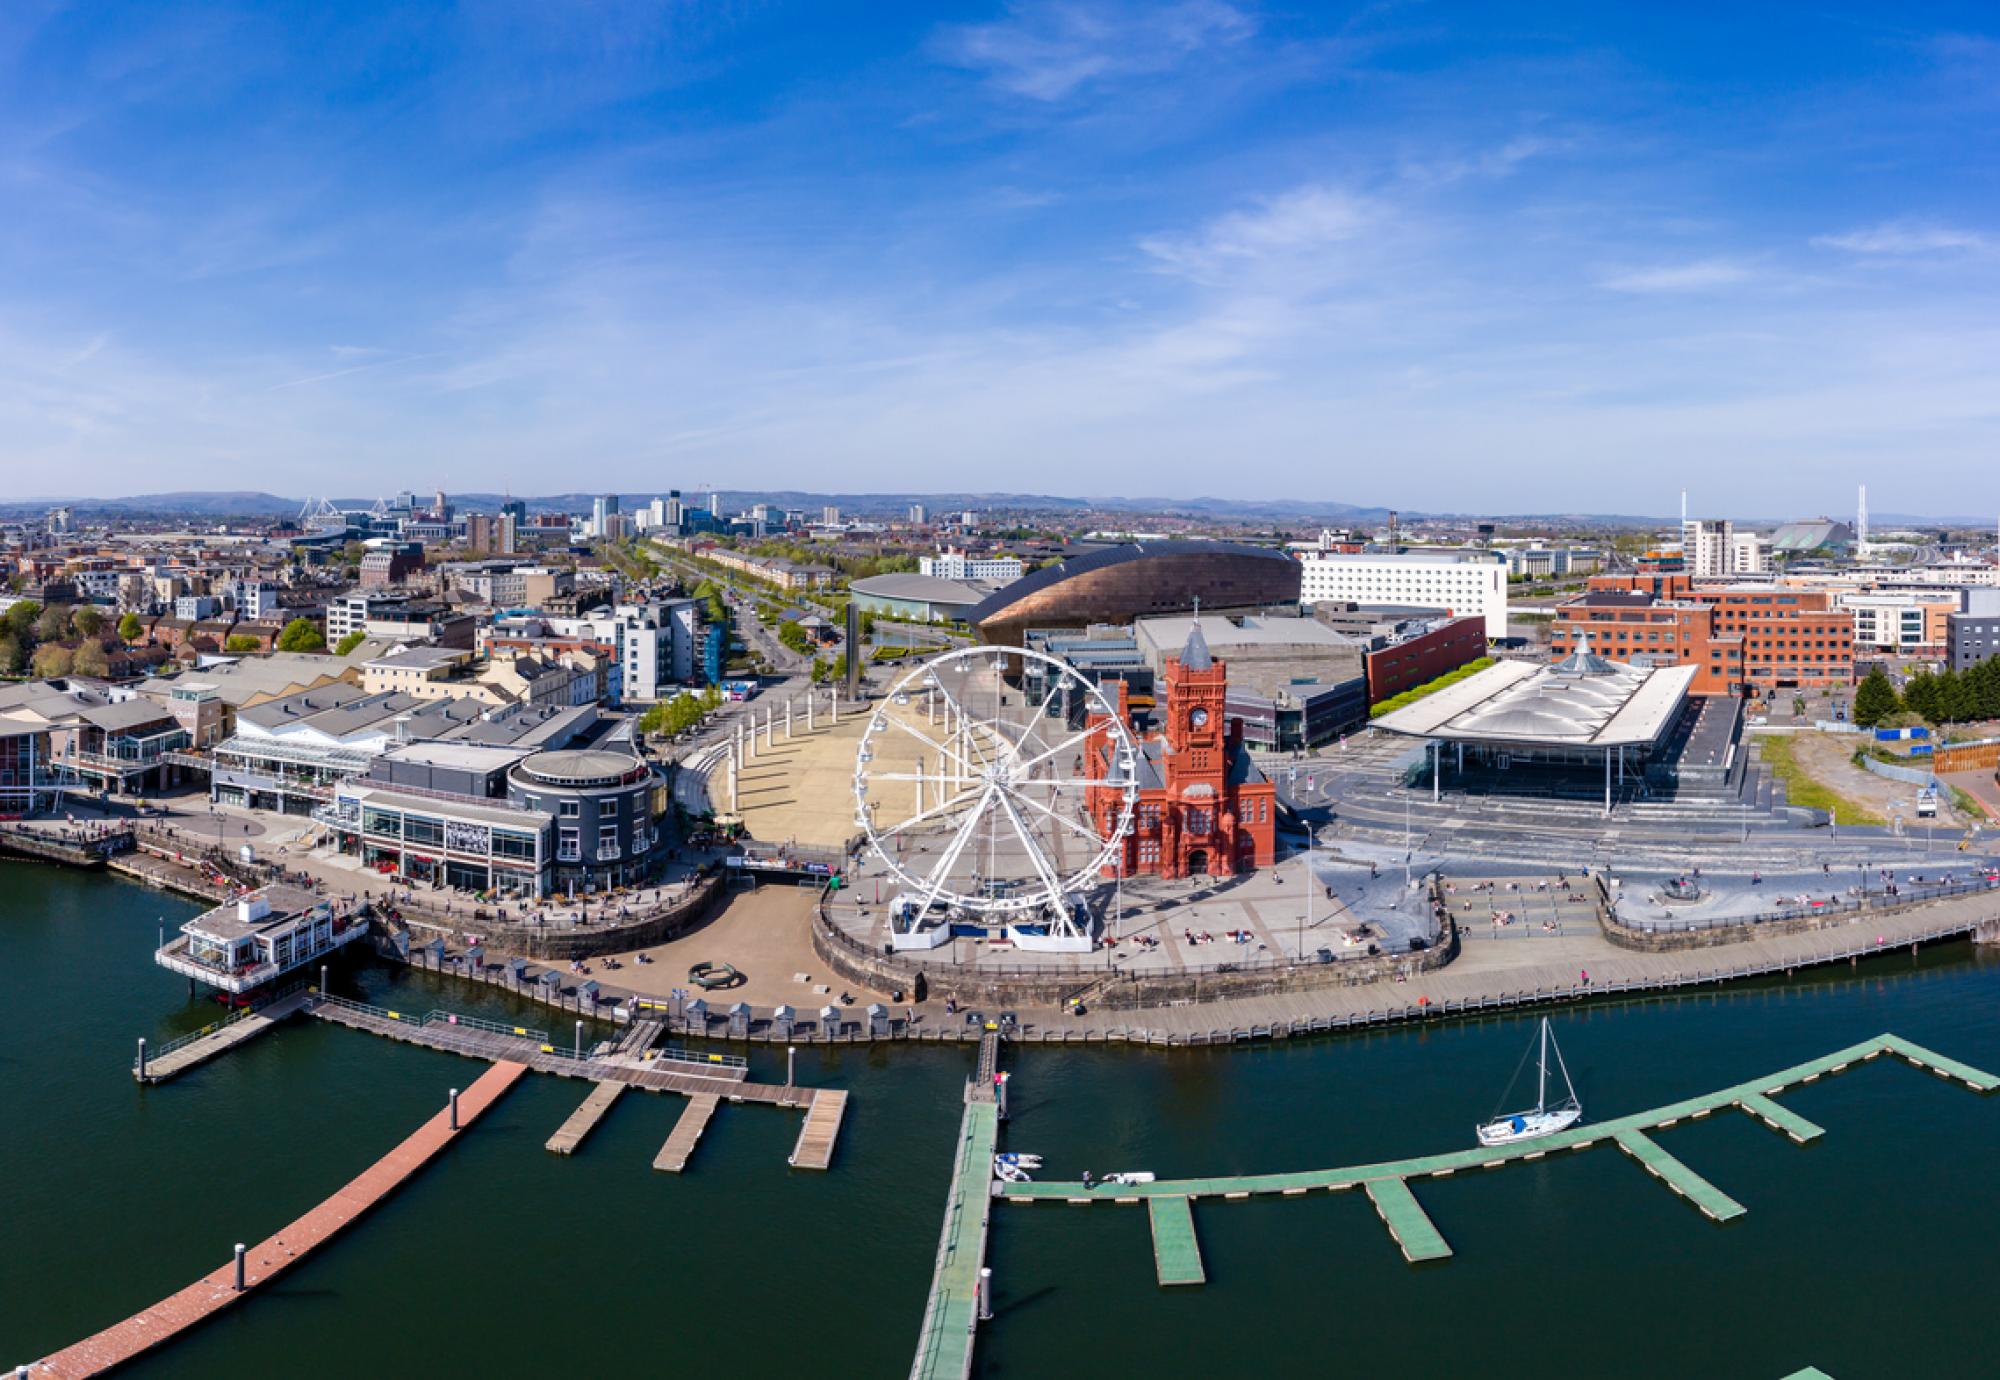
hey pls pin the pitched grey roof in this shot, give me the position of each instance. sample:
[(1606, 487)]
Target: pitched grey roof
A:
[(1194, 655)]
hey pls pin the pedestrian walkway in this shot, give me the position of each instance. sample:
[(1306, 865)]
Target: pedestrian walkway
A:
[(268, 1259)]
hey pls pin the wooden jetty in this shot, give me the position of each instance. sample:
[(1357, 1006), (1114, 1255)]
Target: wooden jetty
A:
[(821, 1129), (584, 1119), (1388, 1184), (716, 1076), (673, 1156), (267, 1260), (178, 1056), (951, 1315)]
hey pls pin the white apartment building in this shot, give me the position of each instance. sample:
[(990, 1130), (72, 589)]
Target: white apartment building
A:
[(1471, 584), (255, 599), (951, 564), (1712, 548), (656, 647)]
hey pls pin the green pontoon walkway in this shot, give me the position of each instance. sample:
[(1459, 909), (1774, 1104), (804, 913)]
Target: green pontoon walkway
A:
[(944, 1348), (1388, 1184)]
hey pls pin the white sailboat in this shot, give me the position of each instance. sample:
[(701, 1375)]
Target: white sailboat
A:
[(1541, 1119)]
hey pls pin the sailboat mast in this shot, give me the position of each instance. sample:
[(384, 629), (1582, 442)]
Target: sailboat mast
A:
[(1542, 1071)]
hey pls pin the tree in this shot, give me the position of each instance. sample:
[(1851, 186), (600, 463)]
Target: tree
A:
[(241, 642), (302, 635), (21, 620), (52, 660), (867, 624), (129, 627), (90, 659), (53, 625), (86, 621), (13, 656), (1875, 699), (349, 642)]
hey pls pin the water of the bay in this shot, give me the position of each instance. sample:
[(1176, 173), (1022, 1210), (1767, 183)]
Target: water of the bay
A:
[(1868, 1254)]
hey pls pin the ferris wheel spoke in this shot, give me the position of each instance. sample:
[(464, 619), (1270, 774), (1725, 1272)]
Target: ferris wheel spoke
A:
[(1063, 746), (949, 859), (1036, 857), (936, 811), (1079, 782), (1032, 727), (925, 738), (963, 718), (1057, 816)]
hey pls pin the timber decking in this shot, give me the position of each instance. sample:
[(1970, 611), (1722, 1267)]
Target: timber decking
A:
[(220, 1040), (1387, 1183), (825, 1108), (673, 1156), (584, 1119), (1176, 1252), (215, 1291), (821, 1129)]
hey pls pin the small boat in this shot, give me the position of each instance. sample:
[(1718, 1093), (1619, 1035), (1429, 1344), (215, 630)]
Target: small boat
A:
[(1542, 1119), (1136, 1176), (1012, 1173), (1020, 1161)]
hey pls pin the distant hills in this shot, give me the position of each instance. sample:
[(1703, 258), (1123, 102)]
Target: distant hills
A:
[(246, 503)]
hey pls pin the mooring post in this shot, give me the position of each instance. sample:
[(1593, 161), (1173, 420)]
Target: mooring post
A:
[(454, 1109), (579, 1039), (142, 1058), (322, 979), (240, 1248), (986, 1293), (1000, 1087), (791, 1059)]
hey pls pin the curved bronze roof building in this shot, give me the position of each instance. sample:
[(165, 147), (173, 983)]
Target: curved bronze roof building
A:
[(1119, 583)]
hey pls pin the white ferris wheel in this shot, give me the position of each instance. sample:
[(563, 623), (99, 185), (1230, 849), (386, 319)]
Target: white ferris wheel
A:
[(973, 791)]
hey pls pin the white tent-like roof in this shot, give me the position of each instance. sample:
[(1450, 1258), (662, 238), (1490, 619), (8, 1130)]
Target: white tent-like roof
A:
[(1581, 701)]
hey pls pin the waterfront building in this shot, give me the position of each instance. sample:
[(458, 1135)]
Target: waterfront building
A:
[(1520, 725), (1204, 807), (1116, 584), (925, 598), (1465, 582), (1973, 635), (258, 938), (953, 564), (1739, 638)]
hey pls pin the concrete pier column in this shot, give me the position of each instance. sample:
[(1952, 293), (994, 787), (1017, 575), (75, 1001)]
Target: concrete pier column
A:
[(240, 1249), (810, 709), (788, 721), (833, 705), (452, 1101)]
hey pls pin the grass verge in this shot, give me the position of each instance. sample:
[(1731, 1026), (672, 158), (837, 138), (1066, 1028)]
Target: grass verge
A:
[(1802, 788)]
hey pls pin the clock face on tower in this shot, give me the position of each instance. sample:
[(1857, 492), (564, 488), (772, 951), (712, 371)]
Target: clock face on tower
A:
[(1197, 718)]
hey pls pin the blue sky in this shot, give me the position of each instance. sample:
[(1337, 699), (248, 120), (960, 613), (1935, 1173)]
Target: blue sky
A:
[(1502, 257)]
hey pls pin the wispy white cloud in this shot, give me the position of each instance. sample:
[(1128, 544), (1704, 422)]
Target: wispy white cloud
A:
[(1703, 275), (1049, 51), (1304, 220), (1901, 237)]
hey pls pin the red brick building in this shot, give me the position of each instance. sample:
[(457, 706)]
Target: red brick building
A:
[(1744, 638), (1204, 808), (1402, 665)]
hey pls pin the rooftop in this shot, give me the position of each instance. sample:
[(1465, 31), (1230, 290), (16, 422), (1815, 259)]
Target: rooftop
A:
[(1582, 701)]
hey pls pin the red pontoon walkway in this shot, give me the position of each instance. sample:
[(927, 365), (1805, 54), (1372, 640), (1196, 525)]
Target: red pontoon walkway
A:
[(265, 1261)]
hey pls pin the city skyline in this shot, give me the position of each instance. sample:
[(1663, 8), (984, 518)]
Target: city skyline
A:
[(1501, 261)]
